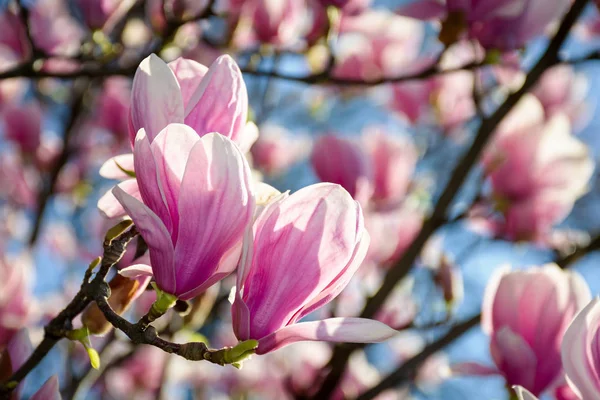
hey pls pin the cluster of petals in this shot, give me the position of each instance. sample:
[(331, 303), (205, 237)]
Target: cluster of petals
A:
[(537, 171), (495, 24), (526, 313), (580, 358)]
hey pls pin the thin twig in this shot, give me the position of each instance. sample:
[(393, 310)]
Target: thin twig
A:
[(62, 323), (341, 354)]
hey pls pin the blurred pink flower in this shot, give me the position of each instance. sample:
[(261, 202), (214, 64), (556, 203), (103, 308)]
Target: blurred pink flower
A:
[(13, 35), (526, 314), (112, 107), (392, 231), (394, 160), (340, 160), (537, 170), (197, 201), (140, 374), (53, 29), (562, 90), (278, 22), (305, 249), (15, 299), (496, 24), (276, 149), (14, 354), (23, 125), (97, 12), (377, 44)]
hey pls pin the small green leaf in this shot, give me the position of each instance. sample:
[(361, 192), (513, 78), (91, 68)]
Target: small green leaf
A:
[(127, 172), (117, 230), (94, 357)]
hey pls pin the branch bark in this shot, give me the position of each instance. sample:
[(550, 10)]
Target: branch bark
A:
[(341, 354)]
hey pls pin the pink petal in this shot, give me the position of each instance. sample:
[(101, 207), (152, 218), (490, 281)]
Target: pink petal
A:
[(524, 394), (171, 149), (423, 9), (136, 271), (113, 167), (578, 352), (156, 236), (189, 74), (156, 99), (149, 182), (110, 206), (216, 190), (343, 330), (220, 104), (49, 391), (304, 245)]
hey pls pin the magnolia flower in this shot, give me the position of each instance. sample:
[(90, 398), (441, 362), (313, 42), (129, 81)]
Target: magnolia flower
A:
[(15, 302), (501, 24), (526, 313), (197, 201), (97, 12), (53, 29), (342, 161), (208, 100), (276, 149), (580, 357), (306, 247), (13, 356), (22, 125), (393, 159), (377, 44), (537, 170), (279, 22)]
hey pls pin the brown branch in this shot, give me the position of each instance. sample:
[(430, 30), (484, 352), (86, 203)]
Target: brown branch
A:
[(406, 371), (341, 354), (62, 323), (50, 186)]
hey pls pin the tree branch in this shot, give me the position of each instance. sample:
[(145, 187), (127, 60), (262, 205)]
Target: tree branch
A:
[(341, 354), (62, 323), (406, 371)]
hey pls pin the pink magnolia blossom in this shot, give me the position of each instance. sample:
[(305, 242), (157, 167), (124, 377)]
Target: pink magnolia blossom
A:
[(393, 159), (53, 29), (526, 314), (97, 12), (276, 149), (580, 357), (23, 125), (304, 251), (278, 22), (207, 99), (392, 231), (501, 24), (537, 170), (15, 300), (112, 108), (12, 34), (13, 355), (377, 44), (340, 160), (197, 201), (141, 374), (562, 90)]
